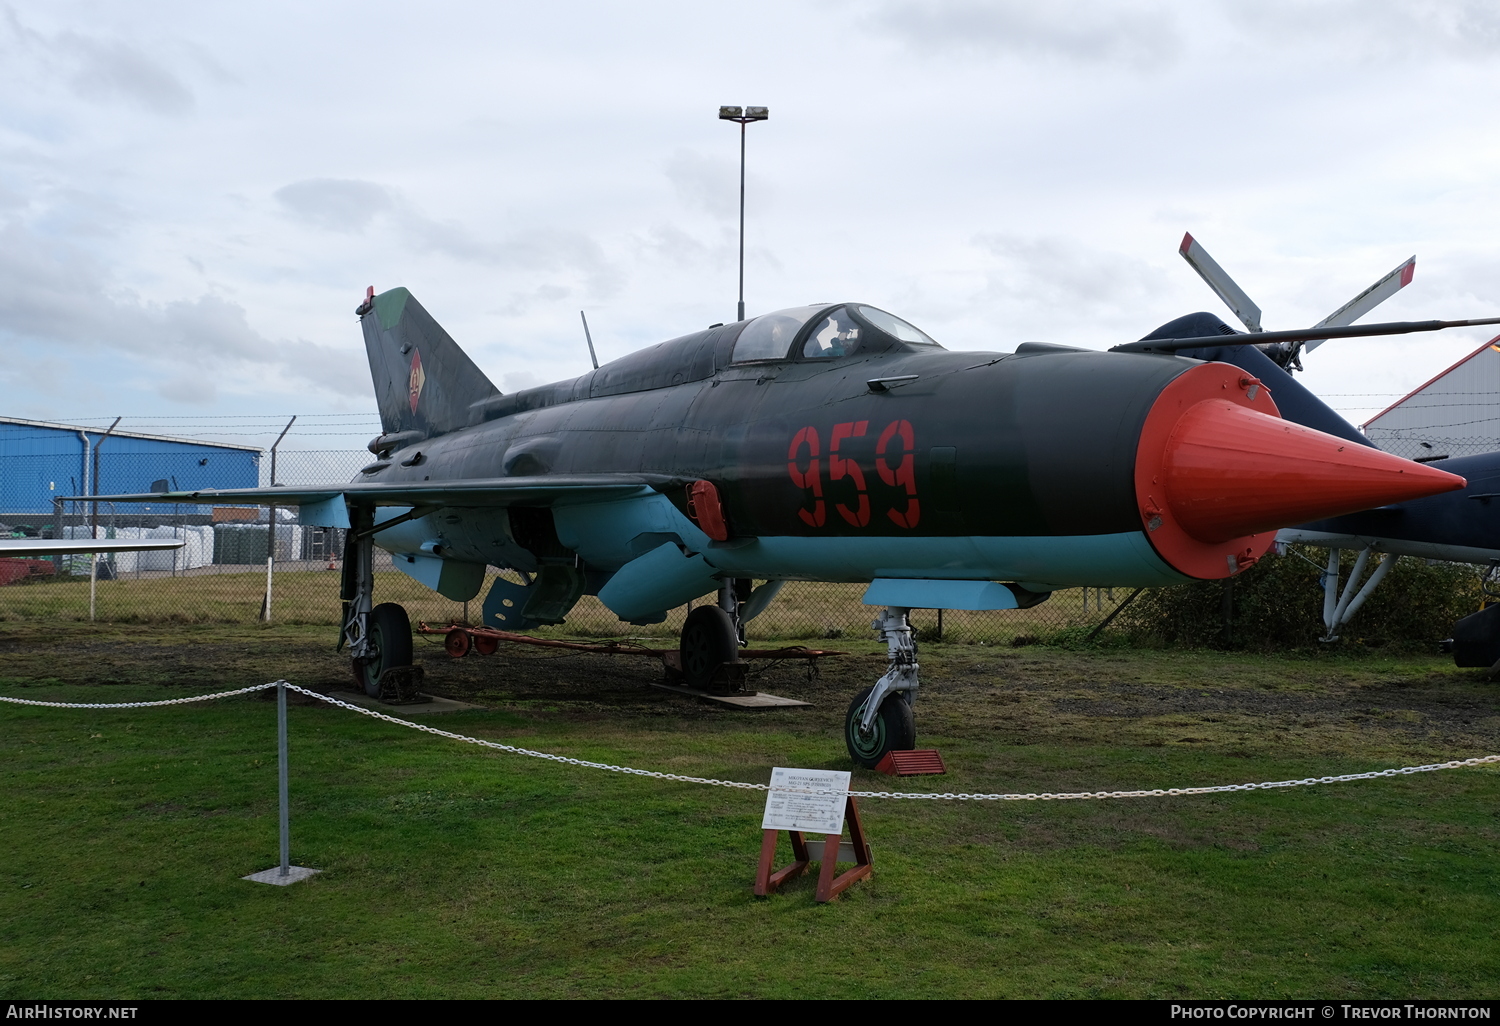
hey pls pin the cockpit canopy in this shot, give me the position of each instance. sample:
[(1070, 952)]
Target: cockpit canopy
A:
[(824, 332)]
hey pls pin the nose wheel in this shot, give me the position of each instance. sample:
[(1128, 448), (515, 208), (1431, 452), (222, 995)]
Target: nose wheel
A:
[(881, 718), (894, 728)]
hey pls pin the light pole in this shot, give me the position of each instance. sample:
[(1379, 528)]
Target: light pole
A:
[(744, 116)]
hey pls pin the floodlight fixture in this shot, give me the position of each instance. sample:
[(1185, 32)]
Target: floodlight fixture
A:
[(743, 116)]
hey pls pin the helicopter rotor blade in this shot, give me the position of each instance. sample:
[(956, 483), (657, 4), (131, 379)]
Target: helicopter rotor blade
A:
[(1172, 345), (1367, 300), (1224, 286)]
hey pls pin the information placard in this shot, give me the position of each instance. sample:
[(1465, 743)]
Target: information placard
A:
[(795, 809)]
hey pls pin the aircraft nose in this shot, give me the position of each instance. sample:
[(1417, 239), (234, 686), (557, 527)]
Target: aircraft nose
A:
[(1233, 471), (1218, 472)]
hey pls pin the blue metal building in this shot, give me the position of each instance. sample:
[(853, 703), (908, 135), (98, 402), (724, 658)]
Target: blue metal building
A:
[(41, 462)]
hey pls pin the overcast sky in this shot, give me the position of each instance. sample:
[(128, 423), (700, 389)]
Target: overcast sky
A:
[(193, 196)]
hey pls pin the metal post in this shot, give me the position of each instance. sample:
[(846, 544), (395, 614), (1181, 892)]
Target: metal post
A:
[(102, 439), (285, 873), (57, 532), (271, 526), (93, 581), (741, 316), (742, 115), (281, 775)]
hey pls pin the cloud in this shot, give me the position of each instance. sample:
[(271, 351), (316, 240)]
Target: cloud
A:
[(517, 381), (334, 204), (677, 247), (705, 184), (55, 296), (1140, 34), (103, 69), (187, 389), (114, 69), (1056, 279), (1374, 29), (351, 205)]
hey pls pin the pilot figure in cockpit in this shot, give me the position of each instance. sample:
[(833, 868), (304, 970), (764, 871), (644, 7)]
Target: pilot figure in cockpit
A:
[(838, 335)]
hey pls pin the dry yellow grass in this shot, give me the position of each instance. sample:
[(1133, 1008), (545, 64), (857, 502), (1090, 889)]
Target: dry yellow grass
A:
[(802, 611)]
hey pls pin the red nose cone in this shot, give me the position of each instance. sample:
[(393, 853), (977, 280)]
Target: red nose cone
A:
[(1232, 471), (1218, 471)]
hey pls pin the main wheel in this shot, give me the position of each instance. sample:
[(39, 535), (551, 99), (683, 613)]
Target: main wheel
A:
[(390, 645), (894, 729), (708, 642)]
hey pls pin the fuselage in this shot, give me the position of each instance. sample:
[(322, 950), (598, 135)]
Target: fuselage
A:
[(898, 459)]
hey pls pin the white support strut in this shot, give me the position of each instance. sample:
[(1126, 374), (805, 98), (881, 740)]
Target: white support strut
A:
[(1339, 606)]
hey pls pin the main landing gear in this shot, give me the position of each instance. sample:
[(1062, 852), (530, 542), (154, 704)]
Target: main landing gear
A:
[(881, 719), (387, 647), (378, 638), (712, 636)]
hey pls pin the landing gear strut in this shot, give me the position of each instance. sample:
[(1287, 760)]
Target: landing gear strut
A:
[(881, 719), (378, 638)]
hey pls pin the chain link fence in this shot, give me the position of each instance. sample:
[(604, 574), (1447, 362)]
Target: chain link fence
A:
[(219, 575)]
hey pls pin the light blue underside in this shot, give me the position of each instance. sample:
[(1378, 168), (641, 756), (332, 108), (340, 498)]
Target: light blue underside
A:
[(929, 594), (627, 537), (1038, 564), (602, 532), (448, 577), (662, 579), (328, 513)]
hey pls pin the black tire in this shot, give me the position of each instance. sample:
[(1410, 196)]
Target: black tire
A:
[(390, 645), (895, 729), (708, 642)]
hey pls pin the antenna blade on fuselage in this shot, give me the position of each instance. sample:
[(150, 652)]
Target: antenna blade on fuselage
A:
[(593, 357), (1367, 300), (1224, 287)]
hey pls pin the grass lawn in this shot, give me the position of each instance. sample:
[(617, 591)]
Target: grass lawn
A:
[(449, 871)]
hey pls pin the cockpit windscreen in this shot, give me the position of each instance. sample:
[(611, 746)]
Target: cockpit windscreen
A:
[(895, 326), (769, 336), (829, 333)]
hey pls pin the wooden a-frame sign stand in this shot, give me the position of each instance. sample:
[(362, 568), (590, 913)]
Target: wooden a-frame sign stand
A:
[(829, 886)]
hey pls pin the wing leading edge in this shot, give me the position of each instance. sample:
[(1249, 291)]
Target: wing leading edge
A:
[(13, 547), (541, 490)]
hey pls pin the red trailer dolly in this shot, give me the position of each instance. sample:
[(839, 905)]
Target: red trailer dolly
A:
[(461, 639)]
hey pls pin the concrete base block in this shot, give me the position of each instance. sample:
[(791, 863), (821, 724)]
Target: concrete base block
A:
[(273, 875)]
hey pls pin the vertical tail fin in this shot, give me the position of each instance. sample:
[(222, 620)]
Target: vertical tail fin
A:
[(424, 383)]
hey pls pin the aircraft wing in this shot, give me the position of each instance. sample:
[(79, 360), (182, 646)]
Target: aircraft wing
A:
[(540, 490), (63, 547)]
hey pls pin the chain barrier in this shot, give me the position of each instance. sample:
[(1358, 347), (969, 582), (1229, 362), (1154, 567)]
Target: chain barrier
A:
[(1044, 796), (916, 795), (143, 705)]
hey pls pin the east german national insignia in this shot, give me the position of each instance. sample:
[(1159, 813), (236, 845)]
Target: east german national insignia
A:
[(418, 378)]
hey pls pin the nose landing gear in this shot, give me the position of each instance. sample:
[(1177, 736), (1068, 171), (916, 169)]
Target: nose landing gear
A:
[(881, 718)]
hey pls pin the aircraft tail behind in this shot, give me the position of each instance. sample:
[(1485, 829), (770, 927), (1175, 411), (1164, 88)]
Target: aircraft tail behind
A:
[(1295, 402), (424, 383)]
